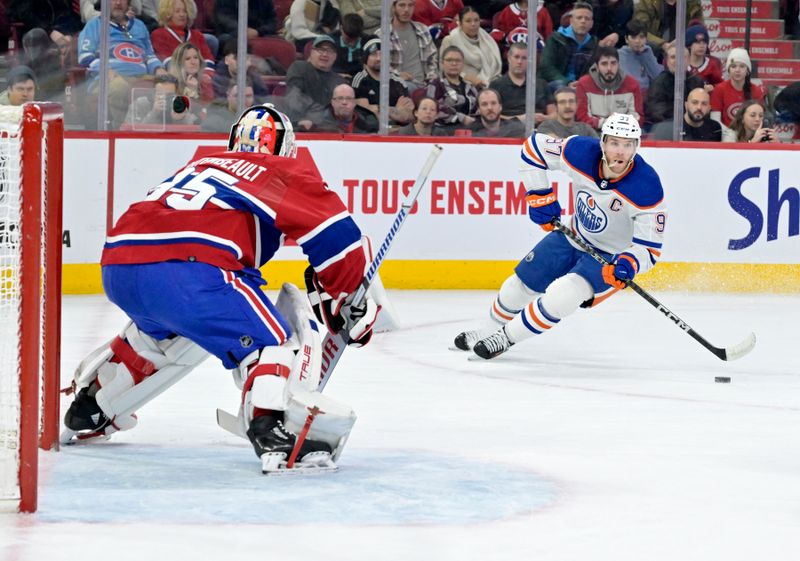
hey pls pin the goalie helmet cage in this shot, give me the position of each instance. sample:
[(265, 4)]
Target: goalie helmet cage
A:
[(31, 162)]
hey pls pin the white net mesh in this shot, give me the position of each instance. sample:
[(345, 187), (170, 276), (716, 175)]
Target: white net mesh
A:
[(10, 160)]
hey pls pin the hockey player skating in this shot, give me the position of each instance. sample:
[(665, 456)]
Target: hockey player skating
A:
[(183, 265), (619, 211)]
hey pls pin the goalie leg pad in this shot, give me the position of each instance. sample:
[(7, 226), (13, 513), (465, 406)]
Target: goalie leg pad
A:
[(301, 355), (332, 422), (124, 374), (263, 377)]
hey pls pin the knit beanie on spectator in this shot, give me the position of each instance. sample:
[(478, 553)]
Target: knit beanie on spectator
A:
[(20, 73), (739, 55), (693, 32)]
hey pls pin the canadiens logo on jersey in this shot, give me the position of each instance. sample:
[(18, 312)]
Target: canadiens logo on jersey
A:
[(517, 35), (591, 217), (128, 52)]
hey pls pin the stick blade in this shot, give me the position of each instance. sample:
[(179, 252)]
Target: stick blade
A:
[(230, 423), (741, 349)]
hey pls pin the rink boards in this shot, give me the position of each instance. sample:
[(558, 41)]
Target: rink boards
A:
[(734, 211)]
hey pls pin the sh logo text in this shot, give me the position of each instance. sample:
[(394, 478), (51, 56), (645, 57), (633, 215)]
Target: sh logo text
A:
[(777, 201)]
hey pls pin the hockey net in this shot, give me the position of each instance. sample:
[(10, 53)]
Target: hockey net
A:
[(31, 158)]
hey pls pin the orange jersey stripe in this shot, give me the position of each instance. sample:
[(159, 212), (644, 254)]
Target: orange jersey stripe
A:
[(602, 297), (535, 318), (500, 313), (531, 153)]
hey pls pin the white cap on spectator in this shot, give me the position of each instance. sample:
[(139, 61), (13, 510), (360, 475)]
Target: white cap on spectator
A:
[(739, 55)]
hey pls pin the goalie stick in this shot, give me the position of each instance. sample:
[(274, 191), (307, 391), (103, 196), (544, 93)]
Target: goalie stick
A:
[(333, 345), (727, 353)]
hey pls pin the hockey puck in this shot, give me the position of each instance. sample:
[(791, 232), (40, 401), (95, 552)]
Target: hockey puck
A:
[(722, 379)]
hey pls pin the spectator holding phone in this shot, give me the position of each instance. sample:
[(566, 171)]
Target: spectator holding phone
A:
[(159, 107), (749, 125)]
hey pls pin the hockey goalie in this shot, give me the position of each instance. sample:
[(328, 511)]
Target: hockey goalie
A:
[(183, 264)]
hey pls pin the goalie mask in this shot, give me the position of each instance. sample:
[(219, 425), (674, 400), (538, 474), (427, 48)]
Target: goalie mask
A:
[(264, 130), (621, 126)]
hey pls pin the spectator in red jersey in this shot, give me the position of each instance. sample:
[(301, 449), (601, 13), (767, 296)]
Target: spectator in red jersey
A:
[(606, 89), (176, 18), (729, 95), (709, 68), (482, 62), (516, 15), (439, 15)]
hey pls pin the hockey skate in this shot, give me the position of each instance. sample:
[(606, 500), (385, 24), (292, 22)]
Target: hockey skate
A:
[(84, 420), (273, 443), (465, 340), (495, 344)]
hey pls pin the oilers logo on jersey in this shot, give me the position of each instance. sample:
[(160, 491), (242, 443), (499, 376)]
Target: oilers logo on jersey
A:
[(591, 217)]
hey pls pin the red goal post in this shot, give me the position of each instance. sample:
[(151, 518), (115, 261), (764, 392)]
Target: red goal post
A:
[(31, 170)]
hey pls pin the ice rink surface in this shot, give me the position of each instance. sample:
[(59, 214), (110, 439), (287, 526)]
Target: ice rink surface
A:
[(605, 439)]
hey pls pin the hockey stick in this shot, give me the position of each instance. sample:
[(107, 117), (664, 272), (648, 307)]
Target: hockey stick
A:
[(727, 353), (333, 345)]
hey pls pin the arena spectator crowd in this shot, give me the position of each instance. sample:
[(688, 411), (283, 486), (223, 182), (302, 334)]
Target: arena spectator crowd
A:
[(458, 67)]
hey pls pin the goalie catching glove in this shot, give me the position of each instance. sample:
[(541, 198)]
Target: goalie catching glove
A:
[(341, 314)]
